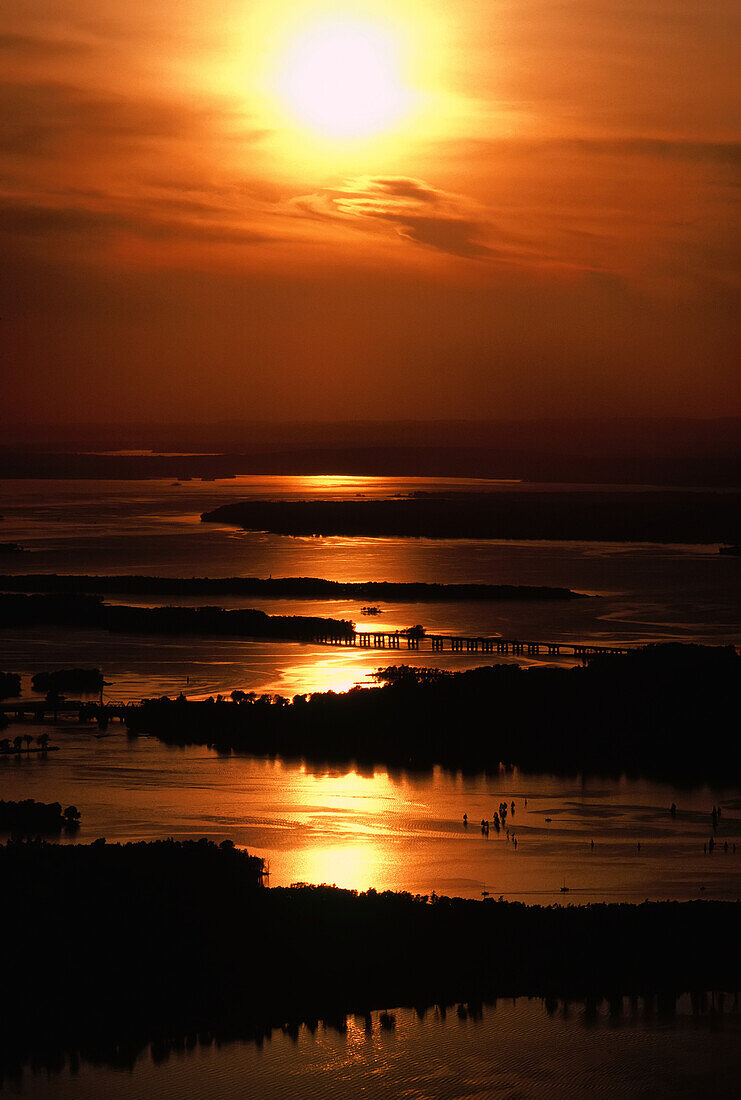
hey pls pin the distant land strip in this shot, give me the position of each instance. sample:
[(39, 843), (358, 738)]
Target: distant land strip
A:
[(89, 612), (292, 587), (648, 516)]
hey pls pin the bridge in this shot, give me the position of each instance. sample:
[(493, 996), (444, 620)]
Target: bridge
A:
[(456, 643)]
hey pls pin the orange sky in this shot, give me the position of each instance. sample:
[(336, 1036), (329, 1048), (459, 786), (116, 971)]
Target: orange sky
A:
[(542, 221)]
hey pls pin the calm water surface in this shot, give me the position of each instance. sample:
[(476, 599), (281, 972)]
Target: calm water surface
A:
[(395, 830), (513, 1049)]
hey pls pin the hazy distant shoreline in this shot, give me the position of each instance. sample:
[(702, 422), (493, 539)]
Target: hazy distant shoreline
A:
[(616, 450), (666, 516)]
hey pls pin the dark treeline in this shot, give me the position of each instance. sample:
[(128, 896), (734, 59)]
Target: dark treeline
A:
[(671, 516), (660, 710), (10, 685), (22, 742), (85, 680), (292, 587), (91, 612), (166, 937), (34, 817)]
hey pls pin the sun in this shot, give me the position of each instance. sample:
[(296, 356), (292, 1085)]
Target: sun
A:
[(342, 79)]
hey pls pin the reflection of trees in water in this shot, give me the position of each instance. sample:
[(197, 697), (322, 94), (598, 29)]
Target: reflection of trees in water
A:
[(705, 1010)]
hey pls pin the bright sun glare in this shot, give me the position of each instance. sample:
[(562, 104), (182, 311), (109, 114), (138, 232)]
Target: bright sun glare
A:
[(342, 79)]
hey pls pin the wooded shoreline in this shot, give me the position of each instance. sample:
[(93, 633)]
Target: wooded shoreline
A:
[(179, 938), (638, 712)]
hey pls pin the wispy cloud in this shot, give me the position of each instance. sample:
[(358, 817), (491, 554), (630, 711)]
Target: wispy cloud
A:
[(417, 212), (47, 119), (684, 150), (39, 47), (144, 221)]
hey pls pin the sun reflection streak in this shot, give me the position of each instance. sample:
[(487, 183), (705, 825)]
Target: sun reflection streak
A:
[(351, 866), (331, 672)]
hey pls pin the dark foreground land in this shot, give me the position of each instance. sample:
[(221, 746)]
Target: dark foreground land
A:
[(145, 941), (298, 588), (10, 685), (664, 711), (671, 516)]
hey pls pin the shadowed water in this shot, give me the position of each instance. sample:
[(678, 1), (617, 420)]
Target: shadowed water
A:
[(511, 1049)]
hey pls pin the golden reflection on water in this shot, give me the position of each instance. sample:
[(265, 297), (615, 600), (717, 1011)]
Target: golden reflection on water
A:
[(352, 813), (331, 483), (346, 484), (371, 827), (337, 671), (351, 866), (340, 670)]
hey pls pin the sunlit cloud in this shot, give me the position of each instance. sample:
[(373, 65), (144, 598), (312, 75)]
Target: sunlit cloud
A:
[(39, 46), (416, 211), (53, 119)]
